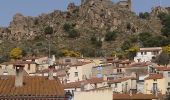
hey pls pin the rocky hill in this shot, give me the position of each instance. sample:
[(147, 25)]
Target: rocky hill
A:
[(93, 18)]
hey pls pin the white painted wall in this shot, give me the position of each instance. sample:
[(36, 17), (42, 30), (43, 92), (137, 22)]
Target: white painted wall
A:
[(103, 94), (144, 56)]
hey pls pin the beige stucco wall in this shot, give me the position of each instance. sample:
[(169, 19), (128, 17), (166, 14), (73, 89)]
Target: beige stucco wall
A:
[(104, 94), (84, 70), (31, 70), (148, 84)]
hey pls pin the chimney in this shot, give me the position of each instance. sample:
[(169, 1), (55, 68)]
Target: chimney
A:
[(19, 75), (82, 86), (50, 74)]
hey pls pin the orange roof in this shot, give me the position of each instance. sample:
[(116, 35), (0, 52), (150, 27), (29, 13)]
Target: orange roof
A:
[(163, 68), (18, 62), (80, 63), (135, 97), (33, 85), (78, 84), (138, 65), (73, 85), (121, 80), (154, 76)]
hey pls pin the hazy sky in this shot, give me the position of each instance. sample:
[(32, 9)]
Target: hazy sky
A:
[(35, 7)]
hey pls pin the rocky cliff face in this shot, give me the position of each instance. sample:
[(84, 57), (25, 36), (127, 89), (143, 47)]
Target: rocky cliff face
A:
[(91, 17)]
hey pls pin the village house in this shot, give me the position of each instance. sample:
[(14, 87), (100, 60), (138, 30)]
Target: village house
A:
[(154, 84), (102, 70), (30, 66), (139, 96), (20, 87), (59, 73), (124, 85), (80, 71), (86, 85), (147, 54)]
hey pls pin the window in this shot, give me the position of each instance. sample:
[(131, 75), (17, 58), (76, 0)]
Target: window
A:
[(68, 60), (168, 83), (99, 75), (168, 74), (141, 53), (76, 74), (29, 67), (145, 53), (115, 85), (5, 73)]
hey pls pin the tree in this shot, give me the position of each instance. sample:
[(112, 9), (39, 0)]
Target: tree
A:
[(162, 59), (16, 53), (144, 36), (70, 53), (166, 49), (48, 30), (132, 52), (126, 45), (110, 36), (144, 15), (73, 33), (67, 27)]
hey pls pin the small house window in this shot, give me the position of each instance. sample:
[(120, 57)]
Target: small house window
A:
[(168, 74), (29, 67), (168, 83), (115, 85), (76, 74), (145, 53), (68, 60)]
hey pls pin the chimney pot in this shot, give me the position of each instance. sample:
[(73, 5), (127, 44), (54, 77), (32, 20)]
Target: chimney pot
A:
[(50, 74), (19, 75)]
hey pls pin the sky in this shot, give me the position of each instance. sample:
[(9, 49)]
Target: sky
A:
[(8, 8)]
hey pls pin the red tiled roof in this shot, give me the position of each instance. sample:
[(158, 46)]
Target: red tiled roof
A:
[(18, 62), (121, 80), (135, 97), (78, 84), (154, 76), (163, 68), (33, 85), (72, 85), (138, 65), (80, 64)]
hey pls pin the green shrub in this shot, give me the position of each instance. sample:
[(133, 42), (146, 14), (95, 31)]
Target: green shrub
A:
[(110, 36), (144, 15), (73, 33), (48, 30)]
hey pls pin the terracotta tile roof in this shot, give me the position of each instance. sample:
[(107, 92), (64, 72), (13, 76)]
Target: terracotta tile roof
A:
[(163, 68), (143, 64), (72, 85), (151, 49), (121, 80), (78, 84), (39, 86), (80, 63), (95, 80), (154, 76), (31, 57), (125, 62), (18, 62), (135, 97)]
